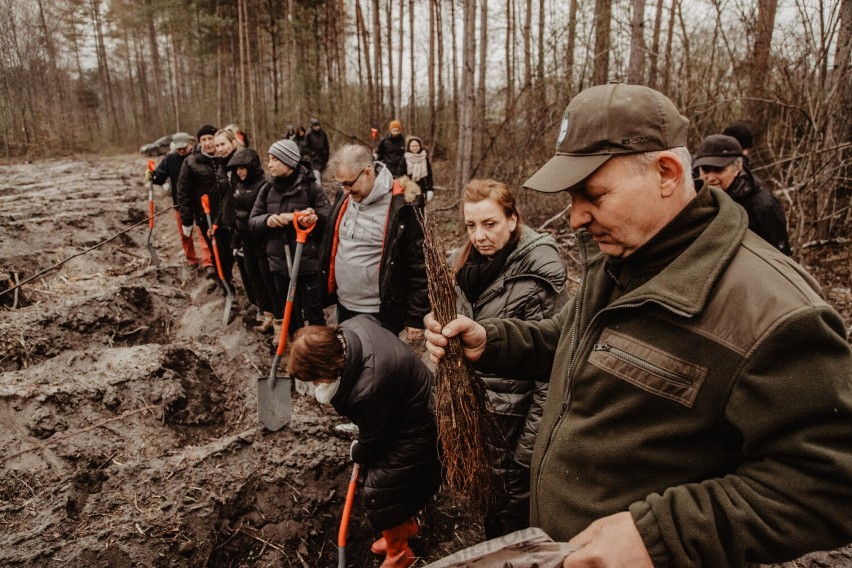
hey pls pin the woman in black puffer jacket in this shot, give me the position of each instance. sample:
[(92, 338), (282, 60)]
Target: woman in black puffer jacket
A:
[(293, 188), (376, 381), (245, 167), (507, 270)]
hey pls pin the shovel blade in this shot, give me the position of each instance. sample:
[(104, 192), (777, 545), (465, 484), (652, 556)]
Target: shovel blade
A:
[(273, 402), (229, 301), (155, 258)]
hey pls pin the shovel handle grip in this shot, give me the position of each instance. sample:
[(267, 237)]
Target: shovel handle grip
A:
[(150, 165), (205, 203), (301, 233)]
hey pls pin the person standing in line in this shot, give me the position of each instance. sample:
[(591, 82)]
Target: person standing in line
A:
[(293, 188), (391, 151), (507, 270), (720, 163), (246, 166), (316, 148), (700, 387), (372, 378), (371, 260), (168, 171), (200, 175), (419, 168)]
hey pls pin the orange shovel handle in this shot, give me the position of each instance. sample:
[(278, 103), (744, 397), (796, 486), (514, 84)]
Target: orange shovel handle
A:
[(347, 507), (151, 197), (301, 233)]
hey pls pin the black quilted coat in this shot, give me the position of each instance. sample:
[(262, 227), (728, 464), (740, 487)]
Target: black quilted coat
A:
[(385, 389)]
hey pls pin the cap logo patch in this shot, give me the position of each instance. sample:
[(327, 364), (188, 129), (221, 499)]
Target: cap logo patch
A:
[(635, 140), (563, 132)]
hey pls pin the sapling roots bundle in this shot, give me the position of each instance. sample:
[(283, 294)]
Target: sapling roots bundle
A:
[(467, 426)]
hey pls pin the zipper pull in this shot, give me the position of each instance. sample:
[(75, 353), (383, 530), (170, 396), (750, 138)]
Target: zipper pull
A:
[(601, 347)]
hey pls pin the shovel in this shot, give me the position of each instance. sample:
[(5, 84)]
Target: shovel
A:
[(344, 520), (155, 258), (273, 397), (229, 296)]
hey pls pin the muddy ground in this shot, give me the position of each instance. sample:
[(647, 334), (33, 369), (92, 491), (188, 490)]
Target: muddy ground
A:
[(128, 426)]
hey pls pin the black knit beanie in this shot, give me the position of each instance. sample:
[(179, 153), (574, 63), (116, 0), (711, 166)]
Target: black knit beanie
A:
[(205, 130)]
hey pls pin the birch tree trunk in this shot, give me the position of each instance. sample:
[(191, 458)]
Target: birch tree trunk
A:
[(636, 69), (465, 139)]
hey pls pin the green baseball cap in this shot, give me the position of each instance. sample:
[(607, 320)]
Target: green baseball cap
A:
[(606, 121)]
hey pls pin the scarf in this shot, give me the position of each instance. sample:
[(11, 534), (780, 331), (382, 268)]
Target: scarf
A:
[(480, 271), (417, 169)]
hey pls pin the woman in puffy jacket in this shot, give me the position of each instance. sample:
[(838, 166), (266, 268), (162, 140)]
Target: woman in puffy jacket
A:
[(375, 380), (245, 166), (292, 188), (507, 270)]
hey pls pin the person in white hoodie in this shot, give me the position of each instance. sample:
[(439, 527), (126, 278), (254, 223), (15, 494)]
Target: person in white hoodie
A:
[(371, 258)]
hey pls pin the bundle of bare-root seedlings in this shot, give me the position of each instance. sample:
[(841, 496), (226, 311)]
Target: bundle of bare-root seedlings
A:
[(467, 425)]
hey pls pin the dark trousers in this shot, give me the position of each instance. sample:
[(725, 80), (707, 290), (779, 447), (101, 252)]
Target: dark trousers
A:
[(344, 313), (307, 305), (263, 287), (226, 255)]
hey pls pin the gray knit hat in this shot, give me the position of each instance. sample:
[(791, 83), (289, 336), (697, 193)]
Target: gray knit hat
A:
[(286, 151)]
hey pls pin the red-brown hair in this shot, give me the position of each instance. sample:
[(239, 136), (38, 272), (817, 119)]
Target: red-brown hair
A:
[(316, 353), (478, 190)]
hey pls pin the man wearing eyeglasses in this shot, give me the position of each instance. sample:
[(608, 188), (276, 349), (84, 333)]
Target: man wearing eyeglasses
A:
[(371, 259), (720, 161)]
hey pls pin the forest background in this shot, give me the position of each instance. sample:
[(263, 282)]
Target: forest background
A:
[(483, 82)]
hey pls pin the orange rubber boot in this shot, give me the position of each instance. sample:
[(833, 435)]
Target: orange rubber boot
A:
[(380, 547), (399, 554)]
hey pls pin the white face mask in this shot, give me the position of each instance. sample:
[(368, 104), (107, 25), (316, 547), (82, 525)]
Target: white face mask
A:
[(325, 391)]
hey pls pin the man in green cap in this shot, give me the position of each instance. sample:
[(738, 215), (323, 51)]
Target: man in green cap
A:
[(700, 392)]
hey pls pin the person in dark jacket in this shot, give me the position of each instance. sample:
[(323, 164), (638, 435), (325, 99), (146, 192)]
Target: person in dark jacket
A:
[(507, 270), (419, 168), (391, 150), (316, 148), (258, 277), (376, 381), (201, 174), (720, 163), (293, 188), (168, 171), (371, 260), (742, 132)]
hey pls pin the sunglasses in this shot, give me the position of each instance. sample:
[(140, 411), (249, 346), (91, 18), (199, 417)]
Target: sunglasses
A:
[(349, 184)]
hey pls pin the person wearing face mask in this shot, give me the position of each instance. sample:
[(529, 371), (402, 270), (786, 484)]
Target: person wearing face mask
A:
[(720, 163), (375, 380), (201, 174), (507, 270)]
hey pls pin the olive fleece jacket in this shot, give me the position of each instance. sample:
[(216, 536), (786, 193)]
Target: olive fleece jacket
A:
[(712, 399)]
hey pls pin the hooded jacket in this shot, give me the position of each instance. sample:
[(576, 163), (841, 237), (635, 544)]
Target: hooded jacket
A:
[(284, 195), (712, 400), (245, 195), (385, 389), (403, 294)]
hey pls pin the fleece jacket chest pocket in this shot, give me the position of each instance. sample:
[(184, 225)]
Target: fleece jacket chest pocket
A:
[(648, 367)]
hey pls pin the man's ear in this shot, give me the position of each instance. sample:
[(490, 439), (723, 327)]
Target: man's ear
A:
[(671, 173)]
